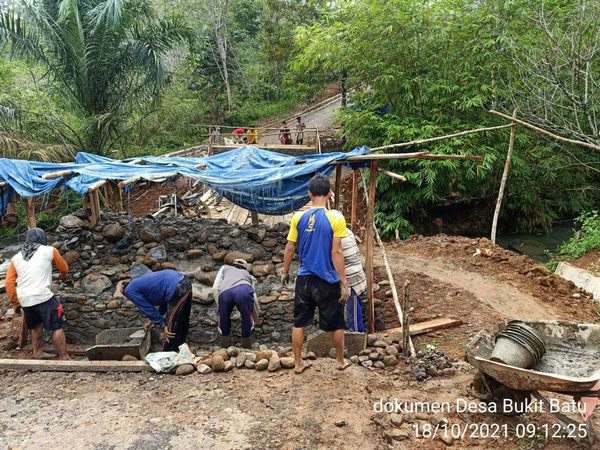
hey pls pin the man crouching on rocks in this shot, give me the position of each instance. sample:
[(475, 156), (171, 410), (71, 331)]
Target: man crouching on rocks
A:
[(234, 288), (28, 284), (321, 281), (164, 292)]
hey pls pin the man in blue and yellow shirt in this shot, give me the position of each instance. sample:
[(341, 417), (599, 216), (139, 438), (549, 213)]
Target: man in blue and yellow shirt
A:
[(321, 282)]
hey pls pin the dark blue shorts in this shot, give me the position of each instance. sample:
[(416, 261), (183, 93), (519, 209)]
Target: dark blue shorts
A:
[(49, 314)]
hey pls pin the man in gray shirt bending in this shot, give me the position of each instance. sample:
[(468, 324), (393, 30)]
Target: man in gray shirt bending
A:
[(234, 287)]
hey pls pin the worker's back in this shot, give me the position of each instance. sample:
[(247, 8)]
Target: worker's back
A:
[(34, 277)]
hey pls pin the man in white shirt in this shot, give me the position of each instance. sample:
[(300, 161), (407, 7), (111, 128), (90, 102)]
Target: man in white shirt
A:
[(28, 283)]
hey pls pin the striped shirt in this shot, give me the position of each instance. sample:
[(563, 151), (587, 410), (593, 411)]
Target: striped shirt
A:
[(353, 263)]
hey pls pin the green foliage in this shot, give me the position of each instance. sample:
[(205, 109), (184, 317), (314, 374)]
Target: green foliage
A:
[(106, 59), (585, 240), (422, 69)]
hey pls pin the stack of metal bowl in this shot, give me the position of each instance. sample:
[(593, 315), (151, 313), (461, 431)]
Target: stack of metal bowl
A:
[(519, 345)]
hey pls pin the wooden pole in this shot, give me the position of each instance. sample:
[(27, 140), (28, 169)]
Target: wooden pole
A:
[(30, 210), (396, 176), (511, 144), (369, 260), (440, 138), (407, 346), (546, 132), (338, 186), (353, 210)]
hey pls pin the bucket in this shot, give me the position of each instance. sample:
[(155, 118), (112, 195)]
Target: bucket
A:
[(510, 352)]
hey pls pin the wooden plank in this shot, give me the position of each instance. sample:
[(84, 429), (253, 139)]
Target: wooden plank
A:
[(427, 326), (338, 186), (268, 147), (354, 207), (74, 366), (30, 210), (369, 260)]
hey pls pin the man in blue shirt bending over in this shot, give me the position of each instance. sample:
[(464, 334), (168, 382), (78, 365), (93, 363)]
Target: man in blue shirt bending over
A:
[(321, 282), (166, 291)]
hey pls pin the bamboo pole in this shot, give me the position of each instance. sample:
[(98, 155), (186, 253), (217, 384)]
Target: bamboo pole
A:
[(511, 144), (124, 183), (58, 174), (338, 186), (369, 261), (30, 211), (97, 185), (415, 155), (354, 207), (388, 271), (546, 132), (407, 345), (396, 176), (440, 138)]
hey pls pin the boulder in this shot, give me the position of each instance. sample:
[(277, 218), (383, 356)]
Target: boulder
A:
[(179, 243), (71, 256), (123, 246), (203, 369), (158, 253), (249, 364), (168, 265), (263, 354), (147, 235), (256, 233), (222, 352), (71, 222), (218, 363), (274, 363), (271, 242), (262, 364), (262, 270), (194, 253), (184, 369), (320, 343), (205, 278), (95, 284), (240, 361), (137, 270), (167, 232), (232, 351), (228, 366), (113, 232), (390, 360), (219, 256), (391, 350), (287, 362), (232, 256), (113, 304)]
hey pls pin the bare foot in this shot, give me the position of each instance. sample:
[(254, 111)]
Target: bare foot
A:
[(66, 358), (343, 365), (299, 369)]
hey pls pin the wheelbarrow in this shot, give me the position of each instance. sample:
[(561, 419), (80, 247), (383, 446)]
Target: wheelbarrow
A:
[(571, 366)]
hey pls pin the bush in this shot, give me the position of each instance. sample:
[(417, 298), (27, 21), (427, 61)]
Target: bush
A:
[(584, 240)]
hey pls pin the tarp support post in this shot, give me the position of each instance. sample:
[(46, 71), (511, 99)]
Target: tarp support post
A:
[(91, 203), (369, 260), (30, 210), (112, 199), (355, 175), (254, 217), (338, 186)]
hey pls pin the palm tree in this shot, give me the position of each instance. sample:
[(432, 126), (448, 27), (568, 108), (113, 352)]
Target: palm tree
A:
[(107, 59)]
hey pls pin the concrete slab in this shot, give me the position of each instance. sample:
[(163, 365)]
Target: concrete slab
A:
[(115, 343), (320, 343), (582, 278)]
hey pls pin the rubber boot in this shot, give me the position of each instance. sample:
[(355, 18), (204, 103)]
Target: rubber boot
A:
[(248, 342), (225, 341)]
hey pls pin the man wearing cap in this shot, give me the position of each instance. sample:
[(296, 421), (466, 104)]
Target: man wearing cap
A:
[(234, 288), (165, 297), (28, 284)]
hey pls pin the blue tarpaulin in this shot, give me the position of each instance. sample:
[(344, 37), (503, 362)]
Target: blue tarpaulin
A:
[(255, 179)]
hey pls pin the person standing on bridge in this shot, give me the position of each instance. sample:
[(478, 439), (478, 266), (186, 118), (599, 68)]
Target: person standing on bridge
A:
[(300, 126), (321, 282), (285, 137)]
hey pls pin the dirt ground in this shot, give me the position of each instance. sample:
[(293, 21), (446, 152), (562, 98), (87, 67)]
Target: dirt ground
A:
[(321, 409)]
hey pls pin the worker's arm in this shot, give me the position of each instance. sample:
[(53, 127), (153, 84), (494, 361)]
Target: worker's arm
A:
[(60, 264), (11, 286), (217, 283), (145, 307), (288, 255), (337, 256)]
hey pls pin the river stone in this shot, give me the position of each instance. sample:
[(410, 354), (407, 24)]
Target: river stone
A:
[(113, 304), (194, 253), (379, 364), (205, 278), (95, 284), (113, 232), (168, 265), (184, 369), (228, 366), (249, 364), (218, 363), (262, 270), (263, 354), (251, 357), (288, 362), (391, 350), (232, 351), (137, 270), (158, 253), (271, 242), (203, 369), (390, 360), (71, 222), (148, 235), (262, 364), (240, 361), (219, 256), (222, 352), (129, 358), (274, 363), (232, 256), (168, 231), (71, 256)]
